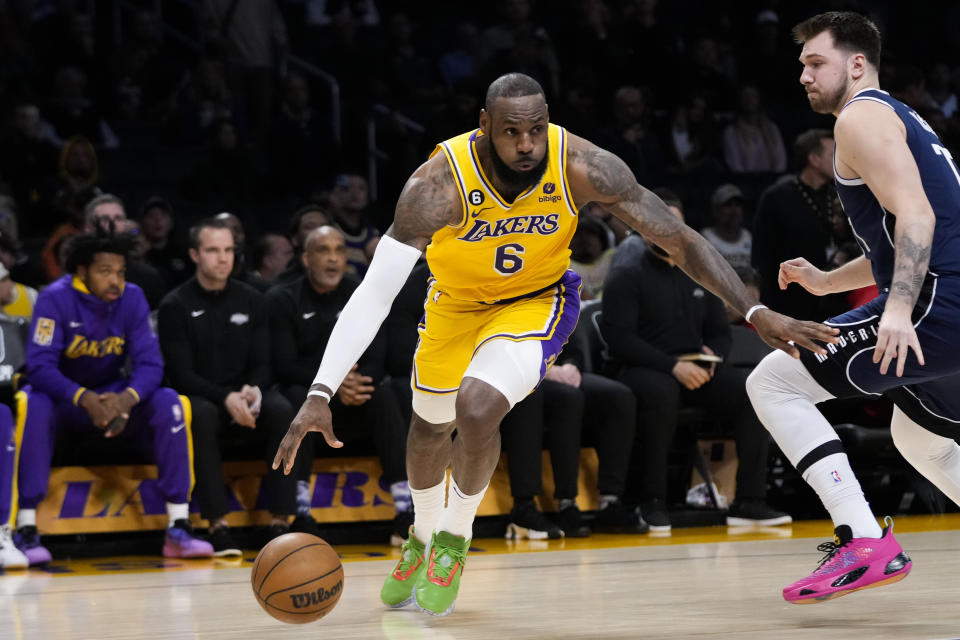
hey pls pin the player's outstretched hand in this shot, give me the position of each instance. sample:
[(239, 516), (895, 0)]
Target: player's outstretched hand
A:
[(895, 337), (800, 270), (778, 331), (314, 415)]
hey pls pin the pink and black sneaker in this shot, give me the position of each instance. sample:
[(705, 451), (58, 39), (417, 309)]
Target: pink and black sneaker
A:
[(852, 564)]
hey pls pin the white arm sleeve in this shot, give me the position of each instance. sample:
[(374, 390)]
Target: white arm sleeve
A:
[(366, 310)]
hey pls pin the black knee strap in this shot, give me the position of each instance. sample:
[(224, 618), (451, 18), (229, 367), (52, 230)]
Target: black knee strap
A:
[(826, 449)]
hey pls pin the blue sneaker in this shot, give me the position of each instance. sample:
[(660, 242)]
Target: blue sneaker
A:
[(181, 542), (28, 541)]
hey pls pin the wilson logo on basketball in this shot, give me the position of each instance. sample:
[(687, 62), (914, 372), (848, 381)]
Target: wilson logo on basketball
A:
[(313, 598)]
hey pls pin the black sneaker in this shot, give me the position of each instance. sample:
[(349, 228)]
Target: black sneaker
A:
[(571, 522), (616, 518), (223, 543), (655, 514), (305, 524), (755, 513), (526, 521), (401, 528)]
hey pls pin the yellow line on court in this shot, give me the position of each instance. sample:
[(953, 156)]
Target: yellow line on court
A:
[(359, 553)]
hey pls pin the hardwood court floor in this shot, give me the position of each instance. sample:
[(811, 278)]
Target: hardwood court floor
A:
[(697, 583)]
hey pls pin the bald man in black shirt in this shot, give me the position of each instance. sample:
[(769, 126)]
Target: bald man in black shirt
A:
[(302, 314)]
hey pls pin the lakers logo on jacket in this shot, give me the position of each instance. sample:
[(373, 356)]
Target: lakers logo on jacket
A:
[(81, 346)]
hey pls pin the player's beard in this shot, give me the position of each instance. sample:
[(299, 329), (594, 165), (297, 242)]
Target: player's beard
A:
[(515, 180), (831, 102)]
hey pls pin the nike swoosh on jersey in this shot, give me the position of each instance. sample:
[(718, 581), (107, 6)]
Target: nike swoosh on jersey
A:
[(477, 212), (307, 316), (197, 314), (180, 427)]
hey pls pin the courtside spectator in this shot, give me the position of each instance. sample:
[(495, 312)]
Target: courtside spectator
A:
[(302, 314), (793, 220), (215, 337), (86, 326), (653, 314)]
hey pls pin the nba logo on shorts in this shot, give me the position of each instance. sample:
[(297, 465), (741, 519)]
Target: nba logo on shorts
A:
[(177, 413), (835, 475)]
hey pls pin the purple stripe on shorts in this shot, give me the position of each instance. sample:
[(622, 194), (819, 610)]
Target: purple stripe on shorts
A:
[(564, 325)]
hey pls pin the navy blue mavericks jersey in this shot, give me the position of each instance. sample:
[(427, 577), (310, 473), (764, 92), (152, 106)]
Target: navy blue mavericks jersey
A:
[(873, 226)]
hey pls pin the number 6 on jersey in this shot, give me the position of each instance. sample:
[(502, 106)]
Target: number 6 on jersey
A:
[(508, 258)]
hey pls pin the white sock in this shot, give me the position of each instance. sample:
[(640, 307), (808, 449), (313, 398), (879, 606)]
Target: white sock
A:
[(784, 396), (303, 498), (177, 512), (607, 500), (26, 518), (458, 517), (400, 491), (427, 508), (833, 480)]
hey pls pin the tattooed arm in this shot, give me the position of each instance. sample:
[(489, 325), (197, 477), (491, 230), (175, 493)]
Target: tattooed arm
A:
[(599, 176), (428, 202), (871, 144)]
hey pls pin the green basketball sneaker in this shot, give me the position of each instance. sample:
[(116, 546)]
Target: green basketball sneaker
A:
[(437, 587), (399, 586)]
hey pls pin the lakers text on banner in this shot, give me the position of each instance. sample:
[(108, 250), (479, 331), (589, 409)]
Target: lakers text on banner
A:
[(127, 498)]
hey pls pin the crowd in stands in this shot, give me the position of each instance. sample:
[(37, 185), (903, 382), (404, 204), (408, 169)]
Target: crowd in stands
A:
[(254, 198)]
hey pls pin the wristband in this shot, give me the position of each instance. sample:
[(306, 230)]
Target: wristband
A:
[(318, 392), (753, 310)]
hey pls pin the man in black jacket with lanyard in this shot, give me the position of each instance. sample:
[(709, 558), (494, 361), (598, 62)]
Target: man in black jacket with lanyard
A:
[(302, 314), (215, 338), (653, 313), (793, 219)]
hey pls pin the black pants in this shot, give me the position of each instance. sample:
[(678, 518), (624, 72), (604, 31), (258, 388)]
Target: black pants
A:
[(609, 424), (601, 409), (400, 387), (659, 399), (554, 410), (379, 421), (210, 423)]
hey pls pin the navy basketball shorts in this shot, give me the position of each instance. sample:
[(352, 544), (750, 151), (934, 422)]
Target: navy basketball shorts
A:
[(928, 394)]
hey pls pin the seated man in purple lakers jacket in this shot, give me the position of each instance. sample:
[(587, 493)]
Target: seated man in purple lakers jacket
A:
[(86, 325)]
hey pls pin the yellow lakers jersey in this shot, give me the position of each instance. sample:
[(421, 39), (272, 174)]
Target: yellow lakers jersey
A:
[(501, 250)]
